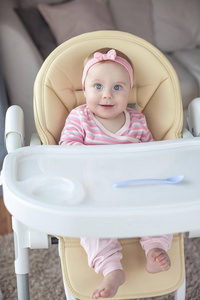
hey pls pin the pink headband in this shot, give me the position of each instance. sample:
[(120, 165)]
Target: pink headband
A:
[(110, 55)]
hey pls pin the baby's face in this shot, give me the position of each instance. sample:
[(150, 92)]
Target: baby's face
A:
[(107, 89)]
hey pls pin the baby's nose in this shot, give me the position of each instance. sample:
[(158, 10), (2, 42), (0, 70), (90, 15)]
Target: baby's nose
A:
[(107, 93)]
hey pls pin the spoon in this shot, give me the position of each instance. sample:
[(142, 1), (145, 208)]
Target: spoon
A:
[(174, 179)]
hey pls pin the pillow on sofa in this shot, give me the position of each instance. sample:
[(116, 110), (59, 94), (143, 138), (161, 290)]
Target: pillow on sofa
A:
[(34, 3), (176, 24), (133, 16), (34, 24), (76, 17)]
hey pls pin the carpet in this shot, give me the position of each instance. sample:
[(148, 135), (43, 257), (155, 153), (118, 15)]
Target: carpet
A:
[(45, 276)]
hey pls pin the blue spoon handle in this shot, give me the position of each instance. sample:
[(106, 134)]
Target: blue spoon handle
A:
[(127, 182)]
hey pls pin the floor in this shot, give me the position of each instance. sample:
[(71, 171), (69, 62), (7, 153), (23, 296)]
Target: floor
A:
[(5, 219)]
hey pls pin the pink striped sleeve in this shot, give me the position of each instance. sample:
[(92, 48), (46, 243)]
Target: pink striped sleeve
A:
[(72, 133), (146, 134), (139, 126)]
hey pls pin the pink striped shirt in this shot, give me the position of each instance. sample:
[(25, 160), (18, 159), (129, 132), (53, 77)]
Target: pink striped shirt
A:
[(82, 128)]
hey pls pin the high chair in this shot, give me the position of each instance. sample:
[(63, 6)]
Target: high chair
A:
[(35, 178)]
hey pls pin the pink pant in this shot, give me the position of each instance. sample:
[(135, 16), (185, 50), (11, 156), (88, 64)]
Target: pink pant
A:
[(104, 255)]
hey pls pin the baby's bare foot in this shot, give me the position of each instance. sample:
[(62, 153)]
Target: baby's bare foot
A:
[(109, 285), (157, 261)]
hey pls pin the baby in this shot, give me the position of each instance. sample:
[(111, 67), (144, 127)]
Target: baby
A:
[(105, 119)]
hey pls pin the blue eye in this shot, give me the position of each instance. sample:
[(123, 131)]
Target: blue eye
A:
[(117, 87), (98, 86)]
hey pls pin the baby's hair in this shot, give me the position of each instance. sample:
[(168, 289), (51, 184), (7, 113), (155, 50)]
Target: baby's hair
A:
[(104, 51)]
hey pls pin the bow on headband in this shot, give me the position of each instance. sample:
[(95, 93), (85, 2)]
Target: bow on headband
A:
[(110, 55)]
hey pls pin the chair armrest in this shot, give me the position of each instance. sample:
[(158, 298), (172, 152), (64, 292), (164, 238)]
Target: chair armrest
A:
[(14, 128), (193, 117), (35, 140), (187, 134)]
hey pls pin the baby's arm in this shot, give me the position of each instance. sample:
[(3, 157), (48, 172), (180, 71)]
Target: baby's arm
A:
[(146, 135), (72, 133)]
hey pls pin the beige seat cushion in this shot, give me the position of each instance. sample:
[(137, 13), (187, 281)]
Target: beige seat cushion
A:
[(81, 280)]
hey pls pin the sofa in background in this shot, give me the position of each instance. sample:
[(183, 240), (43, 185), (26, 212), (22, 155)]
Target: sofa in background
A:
[(31, 29), (3, 107)]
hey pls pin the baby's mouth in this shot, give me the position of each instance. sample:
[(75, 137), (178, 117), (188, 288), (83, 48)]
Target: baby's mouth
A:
[(106, 105)]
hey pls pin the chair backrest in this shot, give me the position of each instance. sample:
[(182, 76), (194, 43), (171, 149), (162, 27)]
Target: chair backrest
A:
[(156, 91)]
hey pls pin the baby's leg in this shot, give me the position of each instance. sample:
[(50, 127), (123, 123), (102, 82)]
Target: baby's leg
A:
[(104, 256), (156, 252)]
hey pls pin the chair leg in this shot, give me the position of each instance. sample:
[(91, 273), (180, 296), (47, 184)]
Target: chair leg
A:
[(23, 287), (68, 295), (21, 259), (180, 292)]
